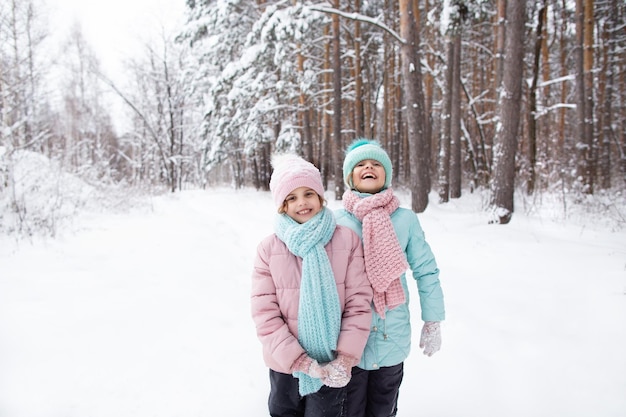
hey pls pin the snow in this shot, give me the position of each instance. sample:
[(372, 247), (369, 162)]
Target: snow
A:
[(146, 313)]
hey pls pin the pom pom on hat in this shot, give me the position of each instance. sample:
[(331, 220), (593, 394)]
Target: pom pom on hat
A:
[(291, 172), (362, 149)]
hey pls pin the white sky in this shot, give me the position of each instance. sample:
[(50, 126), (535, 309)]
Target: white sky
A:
[(115, 28)]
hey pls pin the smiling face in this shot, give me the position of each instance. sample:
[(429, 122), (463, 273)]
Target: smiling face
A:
[(302, 204), (368, 176)]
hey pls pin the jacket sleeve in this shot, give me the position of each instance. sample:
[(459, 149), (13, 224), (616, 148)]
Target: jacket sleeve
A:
[(425, 272), (357, 313), (280, 346)]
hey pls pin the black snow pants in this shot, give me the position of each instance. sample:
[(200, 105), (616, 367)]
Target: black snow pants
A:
[(374, 393), (285, 399)]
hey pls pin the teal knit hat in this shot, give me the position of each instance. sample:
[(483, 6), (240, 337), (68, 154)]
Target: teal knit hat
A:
[(362, 149)]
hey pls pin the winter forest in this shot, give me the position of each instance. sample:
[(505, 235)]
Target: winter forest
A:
[(511, 97)]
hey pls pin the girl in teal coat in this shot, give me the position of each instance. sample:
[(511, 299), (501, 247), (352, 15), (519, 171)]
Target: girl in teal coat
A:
[(393, 242)]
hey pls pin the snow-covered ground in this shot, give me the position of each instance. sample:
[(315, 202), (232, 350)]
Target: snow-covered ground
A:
[(146, 314)]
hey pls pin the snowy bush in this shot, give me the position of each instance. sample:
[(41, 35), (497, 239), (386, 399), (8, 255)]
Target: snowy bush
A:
[(36, 196)]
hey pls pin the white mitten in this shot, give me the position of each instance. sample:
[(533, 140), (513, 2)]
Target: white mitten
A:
[(339, 371), (431, 337)]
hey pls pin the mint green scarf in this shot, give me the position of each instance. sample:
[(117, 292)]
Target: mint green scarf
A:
[(319, 313)]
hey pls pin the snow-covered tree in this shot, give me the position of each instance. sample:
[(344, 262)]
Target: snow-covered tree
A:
[(253, 79), (85, 139)]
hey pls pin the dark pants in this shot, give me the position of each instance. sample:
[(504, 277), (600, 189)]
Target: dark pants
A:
[(374, 393), (286, 401)]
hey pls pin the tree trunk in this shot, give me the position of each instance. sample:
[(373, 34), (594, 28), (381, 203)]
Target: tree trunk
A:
[(339, 148), (358, 76), (500, 39), (509, 104), (455, 120), (444, 141), (532, 103), (327, 148), (427, 131), (585, 140), (611, 60), (389, 96), (304, 115), (588, 47), (429, 93), (563, 54), (414, 100)]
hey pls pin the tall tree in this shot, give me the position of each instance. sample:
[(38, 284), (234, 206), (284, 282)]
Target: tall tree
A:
[(606, 89), (158, 101), (450, 137), (414, 105), (89, 141), (532, 99), (500, 40), (564, 70), (446, 125), (584, 94), (455, 121), (509, 104), (22, 68), (337, 95), (358, 76)]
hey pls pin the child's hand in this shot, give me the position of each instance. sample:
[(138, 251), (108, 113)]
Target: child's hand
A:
[(339, 371), (317, 371), (309, 366), (431, 338)]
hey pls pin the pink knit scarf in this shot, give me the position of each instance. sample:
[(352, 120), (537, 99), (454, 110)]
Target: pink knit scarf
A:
[(384, 258)]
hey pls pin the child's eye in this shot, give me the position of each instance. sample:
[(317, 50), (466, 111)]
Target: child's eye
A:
[(310, 194), (290, 198)]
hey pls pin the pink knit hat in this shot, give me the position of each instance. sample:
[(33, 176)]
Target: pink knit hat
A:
[(291, 172)]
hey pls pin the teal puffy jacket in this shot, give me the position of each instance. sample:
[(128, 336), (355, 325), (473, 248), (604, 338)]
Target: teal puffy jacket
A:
[(389, 342)]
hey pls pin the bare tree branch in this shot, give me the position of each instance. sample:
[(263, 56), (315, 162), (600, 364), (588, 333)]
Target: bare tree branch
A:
[(154, 135)]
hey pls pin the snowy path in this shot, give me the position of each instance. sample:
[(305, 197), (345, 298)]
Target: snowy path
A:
[(147, 314)]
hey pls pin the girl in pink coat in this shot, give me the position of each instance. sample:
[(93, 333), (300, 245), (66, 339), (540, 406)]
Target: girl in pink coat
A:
[(310, 297)]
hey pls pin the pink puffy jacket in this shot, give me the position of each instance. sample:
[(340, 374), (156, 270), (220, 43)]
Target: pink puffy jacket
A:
[(276, 295)]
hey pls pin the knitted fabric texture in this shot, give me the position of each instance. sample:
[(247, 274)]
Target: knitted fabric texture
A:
[(385, 261), (319, 311), (291, 172), (360, 150)]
